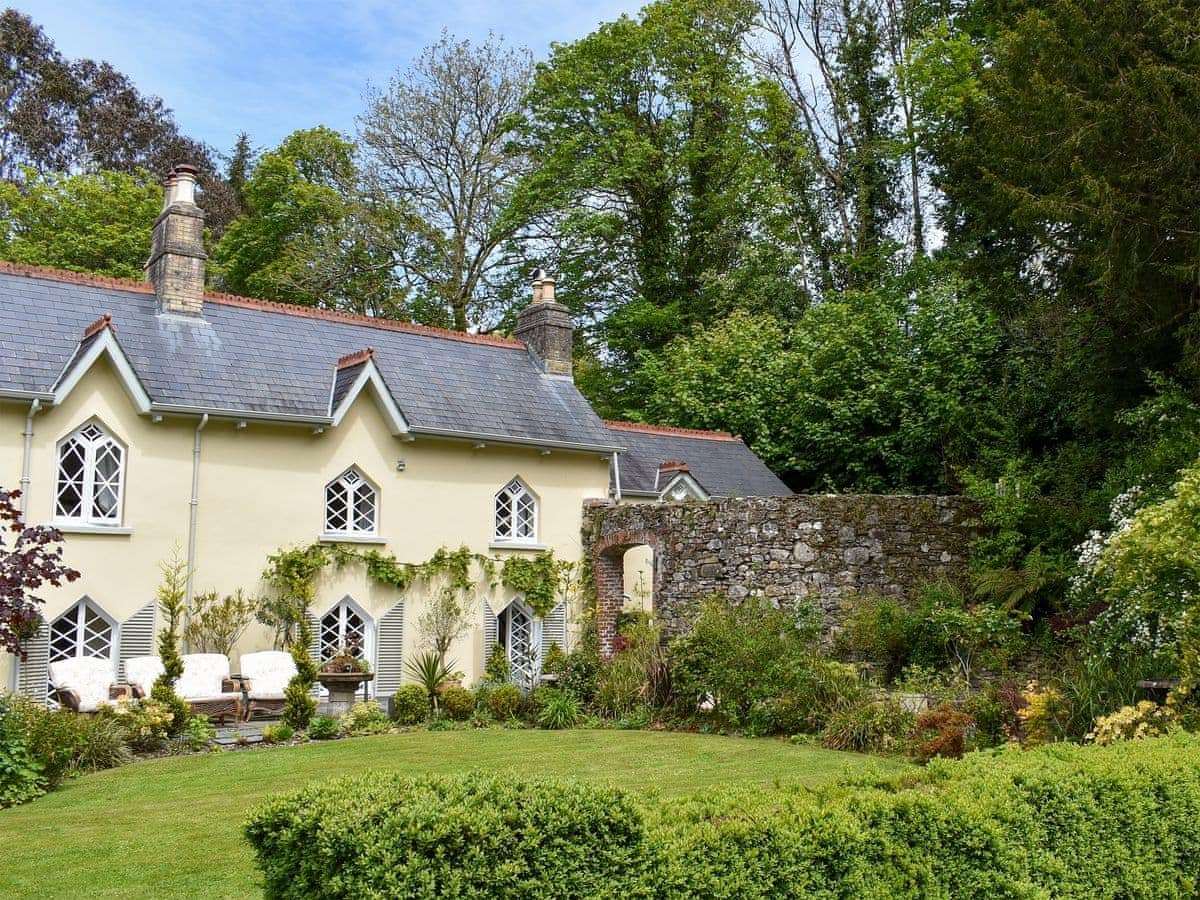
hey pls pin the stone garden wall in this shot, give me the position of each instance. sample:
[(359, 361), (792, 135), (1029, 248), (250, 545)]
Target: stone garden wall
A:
[(806, 548)]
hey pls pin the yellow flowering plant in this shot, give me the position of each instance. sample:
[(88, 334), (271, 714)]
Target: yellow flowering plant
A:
[(1132, 723)]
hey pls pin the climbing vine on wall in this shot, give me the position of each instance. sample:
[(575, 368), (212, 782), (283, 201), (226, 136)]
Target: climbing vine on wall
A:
[(293, 574)]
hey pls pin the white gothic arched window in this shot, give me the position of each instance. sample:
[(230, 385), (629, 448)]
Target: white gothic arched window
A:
[(351, 505), (516, 513), (83, 630), (91, 477), (347, 629)]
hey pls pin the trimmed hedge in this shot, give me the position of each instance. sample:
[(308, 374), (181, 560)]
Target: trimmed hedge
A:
[(474, 835), (1062, 821)]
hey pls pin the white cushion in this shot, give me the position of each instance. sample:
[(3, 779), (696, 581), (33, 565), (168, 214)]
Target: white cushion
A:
[(88, 676), (143, 671), (268, 671), (202, 675)]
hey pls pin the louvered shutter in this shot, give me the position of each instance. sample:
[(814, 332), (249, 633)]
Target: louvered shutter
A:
[(32, 671), (491, 631), (136, 637), (554, 629), (389, 651), (314, 648)]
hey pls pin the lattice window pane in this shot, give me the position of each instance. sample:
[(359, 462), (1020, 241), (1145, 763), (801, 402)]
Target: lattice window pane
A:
[(503, 515), (96, 634), (80, 631), (106, 499), (331, 634), (354, 634), (337, 507), (342, 628), (520, 643), (526, 513), (72, 464), (364, 509)]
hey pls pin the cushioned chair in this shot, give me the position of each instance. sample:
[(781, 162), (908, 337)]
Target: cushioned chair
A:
[(207, 687), (141, 672), (265, 676), (84, 683)]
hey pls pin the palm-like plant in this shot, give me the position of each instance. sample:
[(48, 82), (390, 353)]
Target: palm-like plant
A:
[(429, 670)]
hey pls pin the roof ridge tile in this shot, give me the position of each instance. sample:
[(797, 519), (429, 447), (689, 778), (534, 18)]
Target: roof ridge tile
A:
[(672, 431)]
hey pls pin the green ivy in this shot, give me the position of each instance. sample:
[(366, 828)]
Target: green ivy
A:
[(537, 578)]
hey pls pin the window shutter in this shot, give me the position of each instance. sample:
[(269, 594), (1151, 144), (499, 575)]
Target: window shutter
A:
[(491, 631), (389, 651), (136, 637), (554, 630), (32, 672), (314, 648)]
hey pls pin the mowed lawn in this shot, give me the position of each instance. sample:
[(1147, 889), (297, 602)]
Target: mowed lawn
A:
[(172, 827)]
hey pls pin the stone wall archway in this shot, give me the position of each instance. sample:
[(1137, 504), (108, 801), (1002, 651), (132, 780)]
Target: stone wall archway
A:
[(827, 550), (608, 566)]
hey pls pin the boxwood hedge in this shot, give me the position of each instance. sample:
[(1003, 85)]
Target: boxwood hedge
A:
[(1063, 821)]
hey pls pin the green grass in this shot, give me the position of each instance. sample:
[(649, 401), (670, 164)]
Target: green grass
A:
[(172, 827)]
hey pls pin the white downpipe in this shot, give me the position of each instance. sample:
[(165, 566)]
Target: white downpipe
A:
[(616, 465), (27, 459), (193, 513)]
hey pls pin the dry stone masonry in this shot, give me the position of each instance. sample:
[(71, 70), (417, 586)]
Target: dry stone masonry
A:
[(825, 549)]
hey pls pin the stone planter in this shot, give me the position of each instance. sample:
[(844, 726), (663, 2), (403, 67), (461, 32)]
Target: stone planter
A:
[(343, 690)]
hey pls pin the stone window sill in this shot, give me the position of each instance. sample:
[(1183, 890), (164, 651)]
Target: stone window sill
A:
[(516, 545), (352, 539), (85, 528)]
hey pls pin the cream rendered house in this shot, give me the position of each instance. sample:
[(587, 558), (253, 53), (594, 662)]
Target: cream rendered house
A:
[(138, 418)]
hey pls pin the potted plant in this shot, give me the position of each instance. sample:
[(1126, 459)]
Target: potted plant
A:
[(342, 675)]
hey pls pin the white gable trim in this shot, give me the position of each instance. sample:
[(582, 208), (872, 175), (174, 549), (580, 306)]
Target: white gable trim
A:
[(105, 343), (387, 404), (685, 485)]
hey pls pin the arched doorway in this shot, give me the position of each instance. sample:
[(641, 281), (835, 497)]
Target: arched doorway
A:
[(609, 557)]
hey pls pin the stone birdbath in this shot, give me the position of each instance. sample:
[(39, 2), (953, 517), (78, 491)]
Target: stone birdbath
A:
[(343, 688)]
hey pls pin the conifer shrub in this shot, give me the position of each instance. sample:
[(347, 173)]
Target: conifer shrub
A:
[(299, 705), (172, 594)]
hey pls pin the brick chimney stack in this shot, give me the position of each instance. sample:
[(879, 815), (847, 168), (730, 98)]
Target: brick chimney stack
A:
[(176, 264), (545, 327)]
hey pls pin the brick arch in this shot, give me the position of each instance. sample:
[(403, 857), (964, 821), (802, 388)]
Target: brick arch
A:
[(608, 565)]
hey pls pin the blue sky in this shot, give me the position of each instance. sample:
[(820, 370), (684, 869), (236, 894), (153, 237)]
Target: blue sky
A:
[(270, 67)]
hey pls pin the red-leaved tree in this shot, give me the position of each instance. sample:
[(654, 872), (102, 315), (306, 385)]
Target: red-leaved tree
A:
[(33, 559)]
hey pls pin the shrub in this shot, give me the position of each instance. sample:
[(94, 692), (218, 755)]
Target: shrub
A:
[(299, 705), (497, 670), (636, 676), (472, 835), (504, 702), (458, 703), (22, 775), (279, 734), (1133, 723), (941, 731), (365, 717), (322, 728), (410, 705), (200, 732), (1064, 821), (739, 656), (871, 726), (817, 691), (215, 623), (148, 723), (1041, 715), (555, 662), (581, 669), (560, 709)]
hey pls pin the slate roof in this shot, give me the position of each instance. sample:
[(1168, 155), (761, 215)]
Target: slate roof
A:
[(253, 357), (718, 461)]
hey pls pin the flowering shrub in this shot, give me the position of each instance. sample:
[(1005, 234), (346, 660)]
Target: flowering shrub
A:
[(1132, 723), (365, 717), (148, 723), (1041, 715)]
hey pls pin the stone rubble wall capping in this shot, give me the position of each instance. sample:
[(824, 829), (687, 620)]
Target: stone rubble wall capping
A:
[(828, 549)]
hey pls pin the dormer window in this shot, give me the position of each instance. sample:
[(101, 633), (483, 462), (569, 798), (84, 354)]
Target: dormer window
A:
[(351, 506), (91, 477), (516, 514)]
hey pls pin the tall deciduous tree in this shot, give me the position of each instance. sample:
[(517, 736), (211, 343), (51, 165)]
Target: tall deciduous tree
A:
[(96, 223), (436, 146), (649, 192), (310, 236)]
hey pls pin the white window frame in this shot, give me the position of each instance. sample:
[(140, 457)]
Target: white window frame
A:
[(512, 492), (91, 445), (352, 488), (78, 612), (348, 604), (504, 638)]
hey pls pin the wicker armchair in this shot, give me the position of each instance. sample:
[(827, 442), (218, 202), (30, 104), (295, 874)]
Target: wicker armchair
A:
[(84, 683), (265, 676), (208, 688)]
